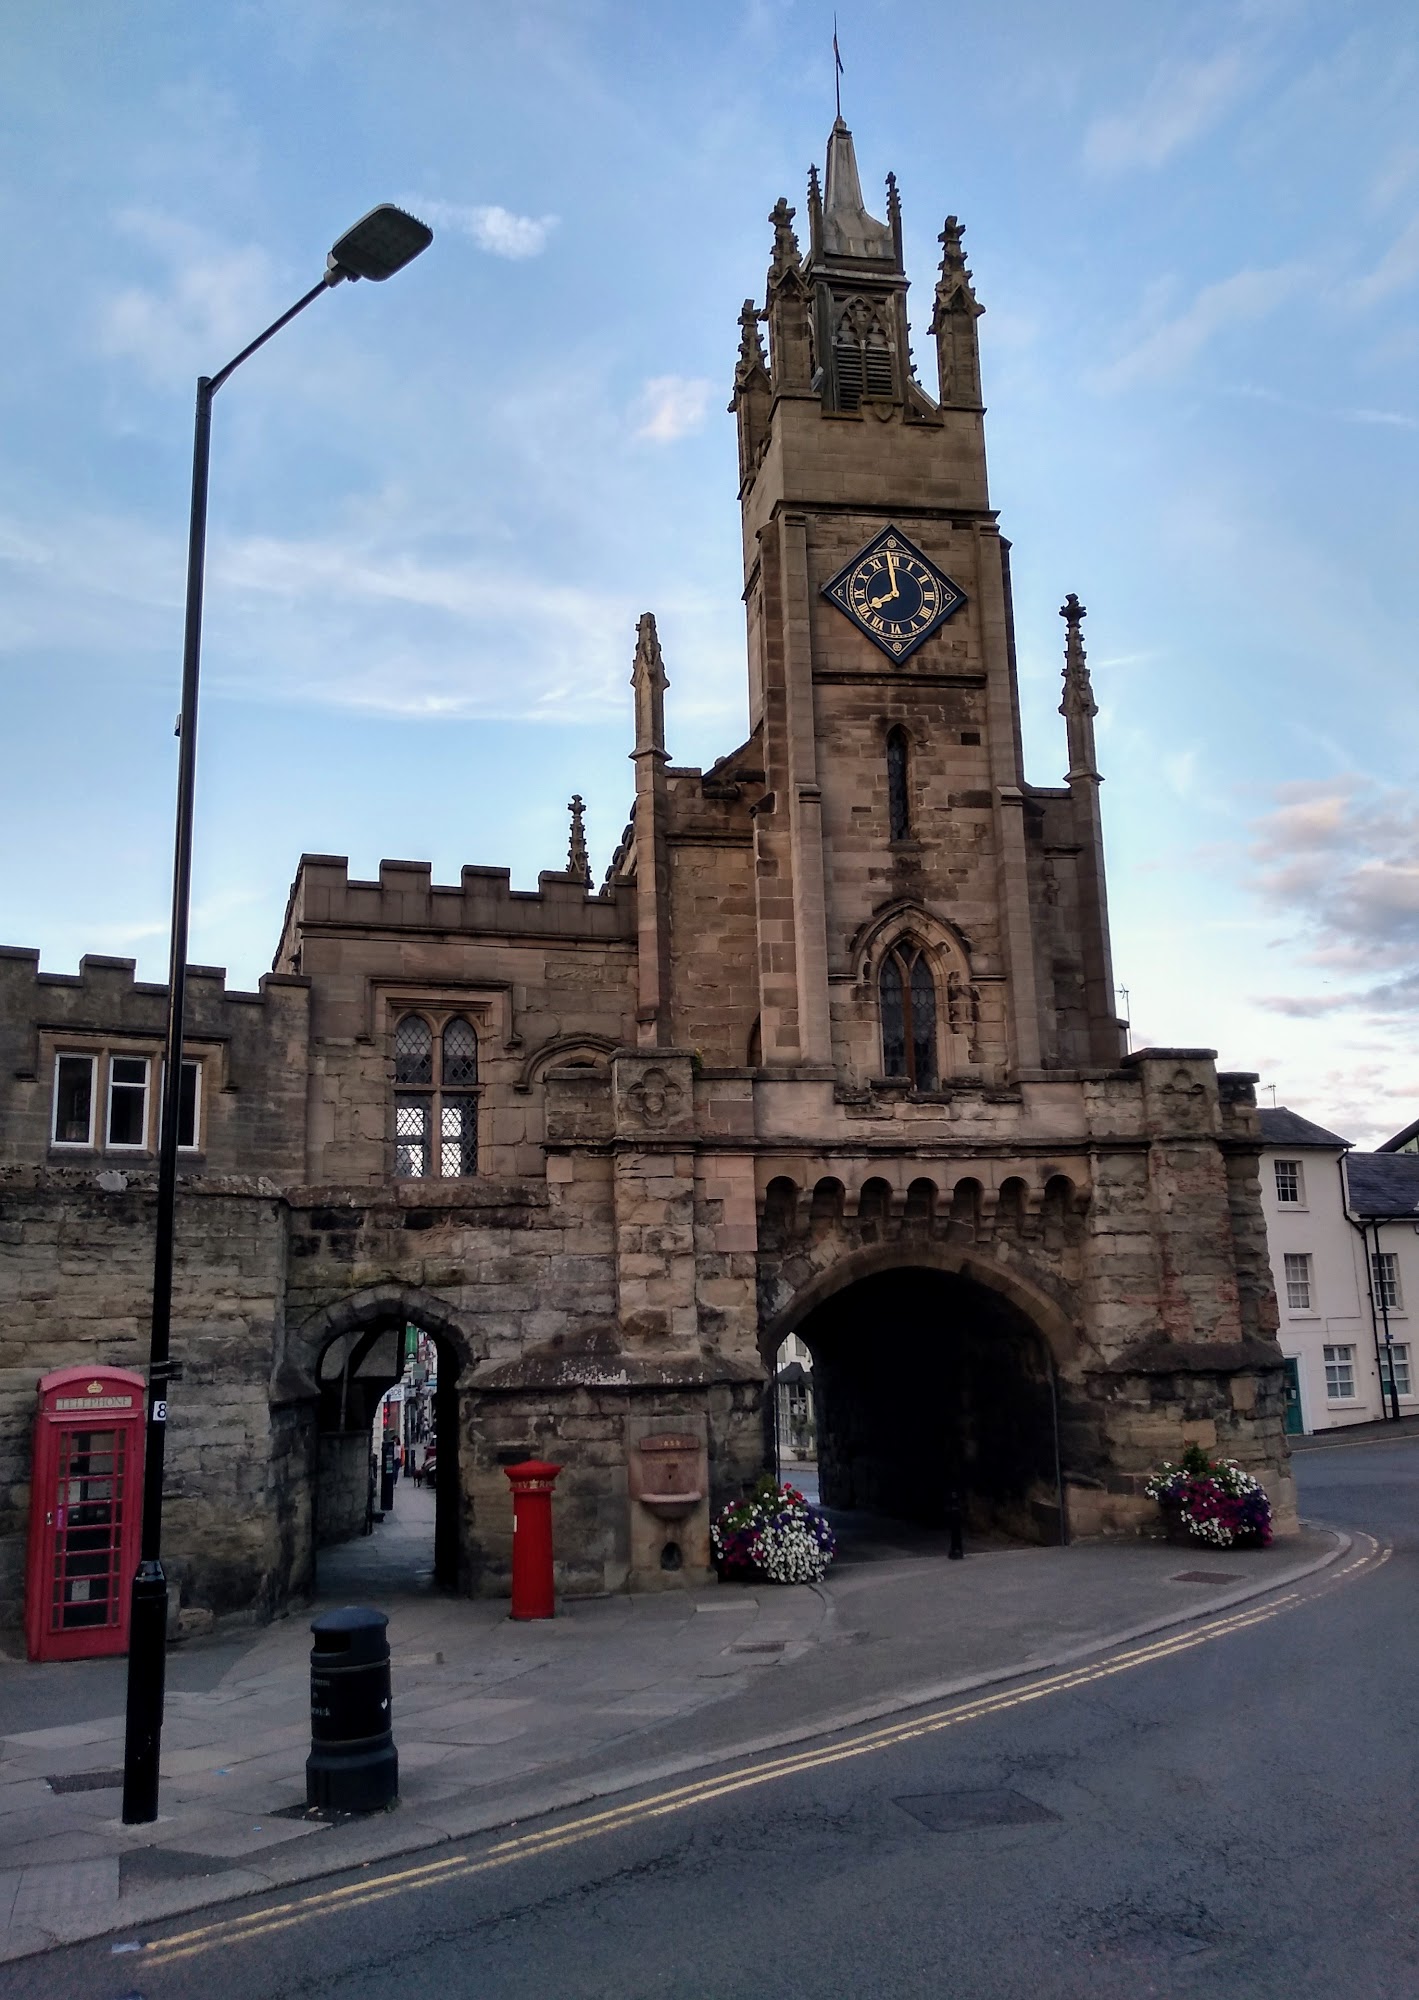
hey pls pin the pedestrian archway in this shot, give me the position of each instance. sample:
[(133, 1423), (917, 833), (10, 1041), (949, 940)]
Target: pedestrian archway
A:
[(356, 1371), (928, 1382)]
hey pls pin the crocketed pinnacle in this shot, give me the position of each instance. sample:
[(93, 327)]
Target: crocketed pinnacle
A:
[(578, 860), (1078, 688)]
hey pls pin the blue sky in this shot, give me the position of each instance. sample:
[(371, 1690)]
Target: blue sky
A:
[(439, 505)]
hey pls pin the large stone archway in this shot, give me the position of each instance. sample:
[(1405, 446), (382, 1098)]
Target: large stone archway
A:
[(931, 1381), (350, 1353)]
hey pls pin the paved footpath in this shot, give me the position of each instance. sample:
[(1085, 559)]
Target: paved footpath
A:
[(497, 1722)]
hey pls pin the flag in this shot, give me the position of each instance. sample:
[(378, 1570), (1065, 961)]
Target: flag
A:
[(837, 54)]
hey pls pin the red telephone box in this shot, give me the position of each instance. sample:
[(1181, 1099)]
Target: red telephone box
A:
[(86, 1505)]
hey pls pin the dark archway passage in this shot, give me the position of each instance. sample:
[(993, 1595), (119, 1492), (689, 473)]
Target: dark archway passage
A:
[(926, 1381), (355, 1372)]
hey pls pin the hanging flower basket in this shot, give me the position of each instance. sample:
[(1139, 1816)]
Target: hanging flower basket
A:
[(1212, 1501), (772, 1535)]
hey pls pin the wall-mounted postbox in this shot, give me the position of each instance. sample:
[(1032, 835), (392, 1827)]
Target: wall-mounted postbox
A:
[(668, 1473), (86, 1504), (667, 1476)]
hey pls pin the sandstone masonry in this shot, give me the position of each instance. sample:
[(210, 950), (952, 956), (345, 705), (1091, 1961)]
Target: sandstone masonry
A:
[(833, 1050)]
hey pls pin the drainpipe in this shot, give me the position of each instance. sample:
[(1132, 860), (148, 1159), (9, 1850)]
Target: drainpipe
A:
[(1392, 1412), (1389, 1338)]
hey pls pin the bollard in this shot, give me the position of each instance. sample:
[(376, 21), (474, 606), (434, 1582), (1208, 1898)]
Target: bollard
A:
[(955, 1552), (353, 1765), (532, 1482)]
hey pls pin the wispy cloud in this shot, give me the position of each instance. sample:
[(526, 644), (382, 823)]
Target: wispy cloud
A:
[(499, 231), (207, 303), (672, 407), (1182, 101), (1394, 419), (1395, 272), (1168, 347)]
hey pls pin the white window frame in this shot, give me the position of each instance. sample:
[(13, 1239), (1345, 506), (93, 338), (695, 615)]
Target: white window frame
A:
[(74, 1055), (1296, 1170), (1299, 1278), (1403, 1374), (1384, 1277), (140, 1144), (193, 1063), (1339, 1358)]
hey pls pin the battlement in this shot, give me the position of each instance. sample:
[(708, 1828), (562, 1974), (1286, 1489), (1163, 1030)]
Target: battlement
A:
[(251, 1048), (484, 903), (104, 995)]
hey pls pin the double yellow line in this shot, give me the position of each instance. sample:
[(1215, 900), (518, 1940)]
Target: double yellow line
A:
[(525, 1847)]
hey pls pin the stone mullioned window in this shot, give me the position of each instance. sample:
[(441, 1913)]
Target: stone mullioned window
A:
[(435, 1097)]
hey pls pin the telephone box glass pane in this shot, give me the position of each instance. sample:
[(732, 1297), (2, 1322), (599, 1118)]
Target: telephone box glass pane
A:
[(88, 1524)]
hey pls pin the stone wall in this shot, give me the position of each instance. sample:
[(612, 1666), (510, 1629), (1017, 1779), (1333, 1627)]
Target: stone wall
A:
[(342, 1492), (76, 1289)]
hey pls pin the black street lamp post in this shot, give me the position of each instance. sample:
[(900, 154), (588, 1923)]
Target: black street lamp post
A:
[(380, 244)]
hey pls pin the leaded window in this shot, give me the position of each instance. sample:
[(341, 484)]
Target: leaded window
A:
[(413, 1050), (898, 796), (435, 1098), (907, 1000)]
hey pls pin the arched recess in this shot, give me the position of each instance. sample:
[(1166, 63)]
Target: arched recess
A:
[(351, 1352), (565, 1052), (910, 934), (935, 1371)]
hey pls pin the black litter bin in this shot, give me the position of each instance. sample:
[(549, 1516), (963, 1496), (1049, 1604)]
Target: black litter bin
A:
[(353, 1765)]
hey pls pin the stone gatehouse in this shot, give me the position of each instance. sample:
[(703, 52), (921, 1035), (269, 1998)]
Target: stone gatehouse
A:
[(833, 1050)]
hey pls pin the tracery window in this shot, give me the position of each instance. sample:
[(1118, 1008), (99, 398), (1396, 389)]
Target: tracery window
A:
[(898, 793), (907, 998), (862, 354), (435, 1098)]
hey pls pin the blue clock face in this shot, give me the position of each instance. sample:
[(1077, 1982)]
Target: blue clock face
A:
[(894, 594)]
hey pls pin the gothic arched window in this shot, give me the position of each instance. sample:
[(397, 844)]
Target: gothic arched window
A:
[(898, 795), (435, 1112), (906, 995)]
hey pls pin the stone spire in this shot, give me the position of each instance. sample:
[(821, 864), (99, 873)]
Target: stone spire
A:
[(848, 230), (954, 324), (578, 860), (1078, 706)]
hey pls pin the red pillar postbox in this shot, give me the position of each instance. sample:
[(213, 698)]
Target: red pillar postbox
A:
[(532, 1484), (86, 1506)]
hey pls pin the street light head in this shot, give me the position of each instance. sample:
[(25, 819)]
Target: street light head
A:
[(378, 245)]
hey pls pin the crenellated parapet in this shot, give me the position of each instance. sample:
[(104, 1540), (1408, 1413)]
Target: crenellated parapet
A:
[(249, 1050), (483, 903)]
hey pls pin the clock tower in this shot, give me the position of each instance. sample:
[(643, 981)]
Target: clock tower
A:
[(897, 829)]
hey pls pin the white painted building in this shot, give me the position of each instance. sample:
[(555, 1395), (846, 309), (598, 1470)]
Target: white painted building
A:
[(1343, 1229)]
